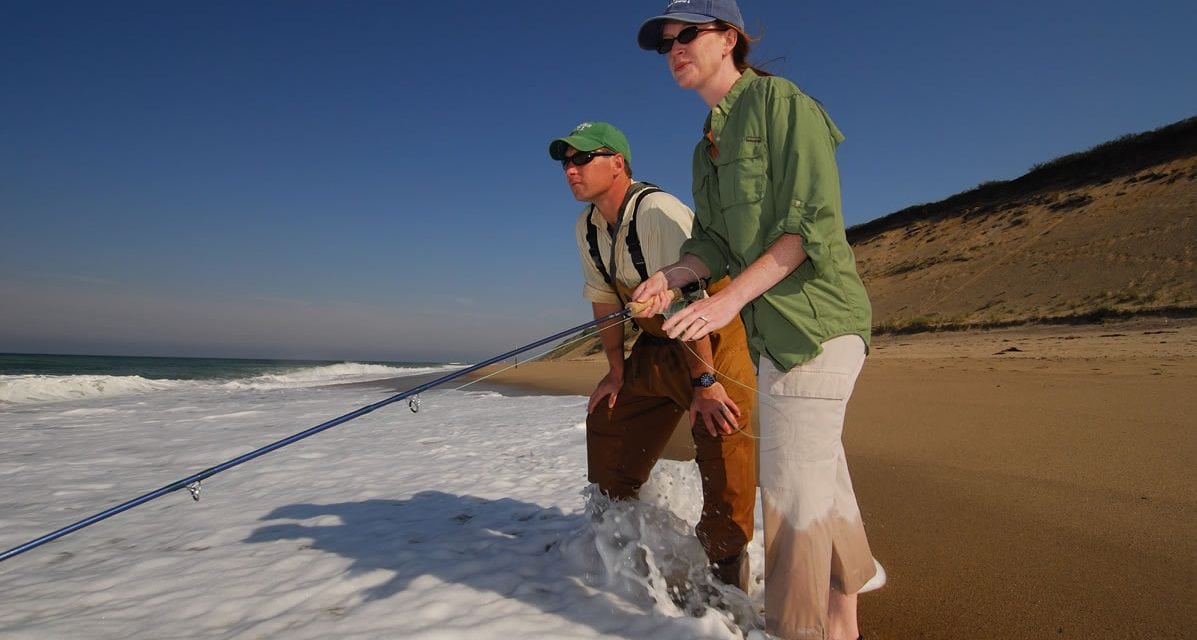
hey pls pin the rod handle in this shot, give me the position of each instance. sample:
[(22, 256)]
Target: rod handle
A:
[(637, 308)]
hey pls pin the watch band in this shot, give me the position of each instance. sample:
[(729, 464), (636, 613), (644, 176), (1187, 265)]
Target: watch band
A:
[(704, 380)]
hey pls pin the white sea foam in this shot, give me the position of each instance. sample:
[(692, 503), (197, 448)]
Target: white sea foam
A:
[(33, 389), (331, 374), (36, 389), (466, 519)]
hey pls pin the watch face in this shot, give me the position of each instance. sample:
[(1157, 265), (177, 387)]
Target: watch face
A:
[(705, 380)]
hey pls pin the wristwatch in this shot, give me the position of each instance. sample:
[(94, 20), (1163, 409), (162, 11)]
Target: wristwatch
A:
[(705, 380)]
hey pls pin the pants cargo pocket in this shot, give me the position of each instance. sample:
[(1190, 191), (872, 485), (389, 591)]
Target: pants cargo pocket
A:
[(806, 404)]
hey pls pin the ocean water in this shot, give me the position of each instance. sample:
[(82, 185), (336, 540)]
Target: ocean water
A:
[(38, 378), (470, 518)]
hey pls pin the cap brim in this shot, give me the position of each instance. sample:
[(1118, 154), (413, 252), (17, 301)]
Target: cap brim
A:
[(650, 32), (557, 147)]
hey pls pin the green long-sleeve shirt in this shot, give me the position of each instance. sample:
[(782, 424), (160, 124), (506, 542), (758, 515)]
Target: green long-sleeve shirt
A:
[(774, 172)]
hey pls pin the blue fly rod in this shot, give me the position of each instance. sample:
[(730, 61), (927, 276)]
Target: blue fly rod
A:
[(192, 482)]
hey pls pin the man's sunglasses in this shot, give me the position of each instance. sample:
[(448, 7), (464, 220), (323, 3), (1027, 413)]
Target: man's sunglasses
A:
[(685, 36), (583, 157)]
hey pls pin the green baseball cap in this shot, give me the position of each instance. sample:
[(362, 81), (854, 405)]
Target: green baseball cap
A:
[(589, 136)]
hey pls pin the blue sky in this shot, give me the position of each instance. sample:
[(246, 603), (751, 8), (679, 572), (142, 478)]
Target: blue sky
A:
[(361, 179)]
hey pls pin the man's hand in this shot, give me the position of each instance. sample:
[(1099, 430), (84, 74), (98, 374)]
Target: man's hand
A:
[(608, 387), (715, 408), (651, 297)]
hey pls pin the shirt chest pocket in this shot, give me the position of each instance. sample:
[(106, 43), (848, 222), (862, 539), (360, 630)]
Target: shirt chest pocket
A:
[(741, 174)]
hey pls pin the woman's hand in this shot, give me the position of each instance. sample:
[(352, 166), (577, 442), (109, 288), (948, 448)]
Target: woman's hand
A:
[(701, 318), (698, 319)]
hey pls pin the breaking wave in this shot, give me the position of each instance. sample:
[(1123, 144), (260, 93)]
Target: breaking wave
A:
[(38, 389), (34, 389), (345, 372)]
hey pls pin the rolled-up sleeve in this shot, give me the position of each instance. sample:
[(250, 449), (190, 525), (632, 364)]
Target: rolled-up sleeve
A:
[(708, 252), (802, 147)]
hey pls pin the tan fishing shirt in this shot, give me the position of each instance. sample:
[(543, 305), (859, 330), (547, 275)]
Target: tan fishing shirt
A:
[(663, 223)]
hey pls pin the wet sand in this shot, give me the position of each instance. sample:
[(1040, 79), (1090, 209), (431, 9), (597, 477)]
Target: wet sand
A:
[(1022, 483)]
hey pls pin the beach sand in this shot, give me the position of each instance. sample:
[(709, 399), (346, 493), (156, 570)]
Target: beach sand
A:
[(1022, 483)]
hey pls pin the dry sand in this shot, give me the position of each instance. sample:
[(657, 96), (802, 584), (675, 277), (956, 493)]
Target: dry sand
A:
[(1022, 483)]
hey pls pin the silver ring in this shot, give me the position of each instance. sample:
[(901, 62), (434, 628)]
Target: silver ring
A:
[(703, 318)]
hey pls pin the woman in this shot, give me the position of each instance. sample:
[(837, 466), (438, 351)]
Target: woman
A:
[(768, 213)]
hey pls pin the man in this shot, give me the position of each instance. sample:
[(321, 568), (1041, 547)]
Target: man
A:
[(628, 230)]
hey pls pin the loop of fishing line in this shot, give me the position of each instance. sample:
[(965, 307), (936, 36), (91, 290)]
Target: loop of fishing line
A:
[(681, 302), (761, 397), (682, 266)]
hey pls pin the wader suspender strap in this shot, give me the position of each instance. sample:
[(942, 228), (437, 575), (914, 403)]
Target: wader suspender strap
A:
[(633, 239), (592, 241), (634, 242)]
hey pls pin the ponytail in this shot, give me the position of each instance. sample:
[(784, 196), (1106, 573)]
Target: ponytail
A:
[(741, 49)]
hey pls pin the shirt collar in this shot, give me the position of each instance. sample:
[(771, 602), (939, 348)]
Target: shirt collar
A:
[(623, 219), (718, 116)]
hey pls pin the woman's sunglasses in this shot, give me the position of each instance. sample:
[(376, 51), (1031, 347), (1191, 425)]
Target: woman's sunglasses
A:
[(685, 36), (583, 157)]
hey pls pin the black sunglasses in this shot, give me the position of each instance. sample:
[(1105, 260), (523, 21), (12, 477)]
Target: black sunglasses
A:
[(685, 36), (583, 157)]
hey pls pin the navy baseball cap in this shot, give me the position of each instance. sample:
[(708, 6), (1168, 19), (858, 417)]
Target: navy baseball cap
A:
[(692, 11)]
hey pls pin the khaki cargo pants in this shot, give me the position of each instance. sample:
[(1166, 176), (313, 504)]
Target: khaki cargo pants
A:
[(814, 536)]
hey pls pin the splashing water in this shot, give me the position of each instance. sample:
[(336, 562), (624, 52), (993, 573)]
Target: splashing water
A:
[(646, 551)]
